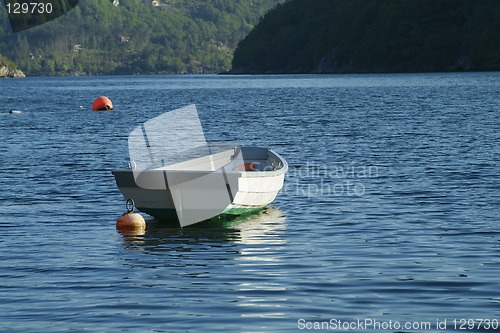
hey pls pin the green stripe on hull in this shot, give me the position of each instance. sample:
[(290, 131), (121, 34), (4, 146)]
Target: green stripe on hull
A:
[(242, 211)]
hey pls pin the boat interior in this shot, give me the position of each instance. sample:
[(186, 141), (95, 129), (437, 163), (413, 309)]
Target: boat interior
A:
[(234, 159)]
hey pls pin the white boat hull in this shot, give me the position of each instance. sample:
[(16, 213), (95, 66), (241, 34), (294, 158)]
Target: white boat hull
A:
[(242, 190)]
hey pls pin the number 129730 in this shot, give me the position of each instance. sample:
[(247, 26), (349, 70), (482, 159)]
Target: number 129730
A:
[(476, 324), (29, 8)]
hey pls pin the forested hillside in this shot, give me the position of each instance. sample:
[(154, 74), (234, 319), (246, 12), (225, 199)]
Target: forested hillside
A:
[(135, 36), (338, 36)]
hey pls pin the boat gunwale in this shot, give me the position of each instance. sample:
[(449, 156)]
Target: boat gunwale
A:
[(243, 173)]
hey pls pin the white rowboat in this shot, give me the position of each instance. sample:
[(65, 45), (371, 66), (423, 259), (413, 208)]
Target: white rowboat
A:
[(235, 181)]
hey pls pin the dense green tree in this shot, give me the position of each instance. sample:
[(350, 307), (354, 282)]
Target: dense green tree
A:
[(4, 61)]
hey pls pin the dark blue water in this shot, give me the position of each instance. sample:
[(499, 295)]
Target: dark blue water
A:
[(390, 210)]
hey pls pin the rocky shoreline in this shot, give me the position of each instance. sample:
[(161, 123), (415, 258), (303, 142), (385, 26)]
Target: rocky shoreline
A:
[(9, 72)]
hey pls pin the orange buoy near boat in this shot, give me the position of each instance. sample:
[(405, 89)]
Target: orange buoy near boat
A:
[(102, 103), (130, 221)]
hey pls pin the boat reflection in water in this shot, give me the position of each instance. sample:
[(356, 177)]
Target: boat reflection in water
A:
[(257, 228), (243, 263)]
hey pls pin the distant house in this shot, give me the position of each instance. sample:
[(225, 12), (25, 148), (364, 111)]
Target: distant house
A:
[(77, 47), (123, 39)]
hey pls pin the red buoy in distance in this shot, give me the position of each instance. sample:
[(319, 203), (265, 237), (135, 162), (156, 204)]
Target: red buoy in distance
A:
[(102, 103)]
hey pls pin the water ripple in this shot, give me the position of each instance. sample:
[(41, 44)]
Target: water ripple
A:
[(418, 241)]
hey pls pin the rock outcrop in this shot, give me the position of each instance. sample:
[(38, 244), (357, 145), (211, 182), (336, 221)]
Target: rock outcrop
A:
[(9, 72)]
